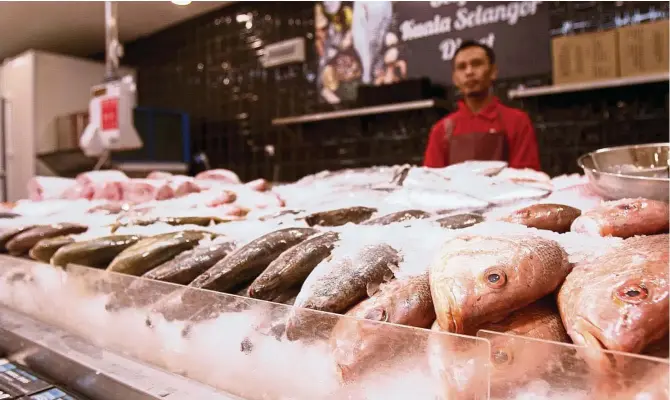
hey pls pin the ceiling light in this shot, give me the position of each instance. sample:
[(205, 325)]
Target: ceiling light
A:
[(181, 2), (242, 17)]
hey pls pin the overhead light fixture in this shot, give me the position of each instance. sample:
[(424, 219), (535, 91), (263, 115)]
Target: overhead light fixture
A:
[(181, 2), (243, 18)]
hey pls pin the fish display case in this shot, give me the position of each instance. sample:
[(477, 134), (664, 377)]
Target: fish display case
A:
[(252, 349)]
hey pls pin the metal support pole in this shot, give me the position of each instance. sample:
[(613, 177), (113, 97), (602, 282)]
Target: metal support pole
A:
[(102, 160), (113, 48), (3, 143)]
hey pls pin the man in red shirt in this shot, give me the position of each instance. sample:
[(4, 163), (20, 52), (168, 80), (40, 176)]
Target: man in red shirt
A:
[(482, 128)]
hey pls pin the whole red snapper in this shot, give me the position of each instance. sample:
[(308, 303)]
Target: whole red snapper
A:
[(357, 345), (624, 218), (477, 280), (619, 301)]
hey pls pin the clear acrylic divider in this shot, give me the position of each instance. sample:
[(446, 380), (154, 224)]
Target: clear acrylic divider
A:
[(526, 368), (250, 348), (261, 350)]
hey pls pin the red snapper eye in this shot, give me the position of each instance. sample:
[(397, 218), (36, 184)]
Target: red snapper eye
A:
[(632, 292), (495, 278), (501, 356)]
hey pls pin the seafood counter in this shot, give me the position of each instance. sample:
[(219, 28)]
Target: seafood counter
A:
[(471, 281)]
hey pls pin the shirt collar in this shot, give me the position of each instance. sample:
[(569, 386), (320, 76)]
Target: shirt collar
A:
[(489, 112)]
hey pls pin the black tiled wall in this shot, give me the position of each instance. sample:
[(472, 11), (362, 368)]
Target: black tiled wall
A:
[(209, 68)]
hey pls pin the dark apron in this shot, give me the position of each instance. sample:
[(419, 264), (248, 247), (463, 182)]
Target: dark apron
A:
[(480, 146)]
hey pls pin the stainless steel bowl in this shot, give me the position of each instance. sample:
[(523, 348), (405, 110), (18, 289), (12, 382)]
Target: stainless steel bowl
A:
[(629, 171)]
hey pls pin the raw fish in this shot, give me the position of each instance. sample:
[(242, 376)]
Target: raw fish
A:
[(619, 301), (151, 252), (625, 218), (349, 279), (159, 175), (8, 215), (551, 217), (249, 261), (46, 248), (24, 241), (340, 216), (293, 266), (95, 253), (221, 174), (194, 220), (481, 279), (516, 361), (341, 284), (187, 266), (8, 234), (399, 216), (358, 345), (460, 221)]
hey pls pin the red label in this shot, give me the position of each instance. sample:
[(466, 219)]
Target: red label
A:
[(110, 114)]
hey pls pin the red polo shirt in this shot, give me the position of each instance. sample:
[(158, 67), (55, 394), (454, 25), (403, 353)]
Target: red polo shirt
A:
[(523, 152)]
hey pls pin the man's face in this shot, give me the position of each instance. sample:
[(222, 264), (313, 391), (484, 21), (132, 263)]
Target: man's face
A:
[(473, 73)]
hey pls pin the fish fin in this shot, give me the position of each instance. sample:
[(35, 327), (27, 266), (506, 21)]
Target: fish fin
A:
[(388, 276), (372, 288), (377, 314)]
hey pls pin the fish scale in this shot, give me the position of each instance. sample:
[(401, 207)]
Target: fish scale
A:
[(250, 260), (528, 268), (597, 313), (293, 266), (341, 283), (359, 346)]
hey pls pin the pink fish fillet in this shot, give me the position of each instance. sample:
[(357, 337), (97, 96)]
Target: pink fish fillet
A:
[(143, 190), (159, 175), (221, 174), (94, 182)]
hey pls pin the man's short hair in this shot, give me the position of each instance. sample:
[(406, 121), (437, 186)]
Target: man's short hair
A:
[(473, 43)]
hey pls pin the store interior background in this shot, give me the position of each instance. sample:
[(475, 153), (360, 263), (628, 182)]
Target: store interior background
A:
[(209, 68)]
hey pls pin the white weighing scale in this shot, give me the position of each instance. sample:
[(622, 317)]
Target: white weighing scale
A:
[(111, 126)]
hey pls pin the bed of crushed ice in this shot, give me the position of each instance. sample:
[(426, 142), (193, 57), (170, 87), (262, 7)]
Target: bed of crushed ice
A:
[(232, 353), (212, 352)]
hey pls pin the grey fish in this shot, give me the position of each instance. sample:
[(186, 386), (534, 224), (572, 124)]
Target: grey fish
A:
[(340, 216), (347, 282), (9, 233), (184, 268), (399, 216), (95, 253), (45, 249), (174, 221), (151, 252), (24, 241), (280, 214), (249, 261), (460, 221), (8, 215), (293, 266)]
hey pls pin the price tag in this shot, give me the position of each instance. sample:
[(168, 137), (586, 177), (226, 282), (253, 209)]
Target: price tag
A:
[(109, 114)]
